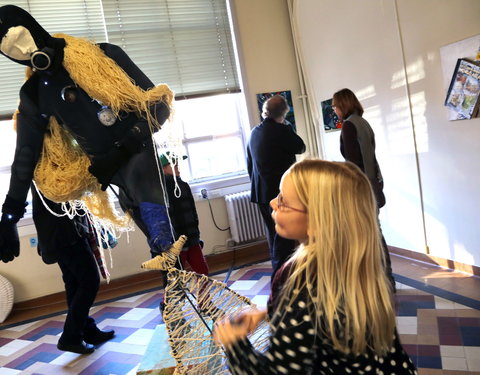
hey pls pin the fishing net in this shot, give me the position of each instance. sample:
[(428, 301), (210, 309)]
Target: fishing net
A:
[(193, 303)]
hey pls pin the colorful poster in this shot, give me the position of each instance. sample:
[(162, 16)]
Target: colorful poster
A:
[(463, 93), (330, 118)]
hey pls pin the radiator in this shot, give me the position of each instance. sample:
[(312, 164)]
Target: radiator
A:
[(246, 223)]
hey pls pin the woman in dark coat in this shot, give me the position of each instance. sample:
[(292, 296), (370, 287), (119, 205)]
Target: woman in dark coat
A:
[(357, 145)]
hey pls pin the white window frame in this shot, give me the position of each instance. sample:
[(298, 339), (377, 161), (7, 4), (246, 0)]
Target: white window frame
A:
[(219, 185)]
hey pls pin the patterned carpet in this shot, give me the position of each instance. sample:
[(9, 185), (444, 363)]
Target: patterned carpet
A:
[(439, 329)]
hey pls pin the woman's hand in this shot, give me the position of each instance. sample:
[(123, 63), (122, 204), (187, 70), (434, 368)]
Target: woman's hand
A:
[(236, 328)]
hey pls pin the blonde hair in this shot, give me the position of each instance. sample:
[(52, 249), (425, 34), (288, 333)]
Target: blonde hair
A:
[(342, 265)]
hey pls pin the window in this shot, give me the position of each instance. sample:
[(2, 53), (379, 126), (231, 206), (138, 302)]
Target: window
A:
[(7, 145), (187, 44), (211, 132)]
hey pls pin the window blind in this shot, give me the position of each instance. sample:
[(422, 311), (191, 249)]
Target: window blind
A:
[(82, 18), (11, 76), (184, 43)]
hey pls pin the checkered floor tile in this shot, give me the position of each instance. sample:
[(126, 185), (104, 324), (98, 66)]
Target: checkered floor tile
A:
[(440, 331)]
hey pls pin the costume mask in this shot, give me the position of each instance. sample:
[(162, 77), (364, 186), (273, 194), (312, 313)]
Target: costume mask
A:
[(24, 41), (18, 44)]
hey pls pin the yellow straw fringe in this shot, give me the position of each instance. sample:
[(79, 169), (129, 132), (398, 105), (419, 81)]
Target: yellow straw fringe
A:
[(100, 205), (62, 175), (103, 80), (62, 172)]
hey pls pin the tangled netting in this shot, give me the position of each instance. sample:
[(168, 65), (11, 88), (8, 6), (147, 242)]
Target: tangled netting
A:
[(193, 303)]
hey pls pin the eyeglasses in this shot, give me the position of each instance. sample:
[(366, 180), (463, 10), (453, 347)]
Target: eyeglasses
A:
[(283, 207)]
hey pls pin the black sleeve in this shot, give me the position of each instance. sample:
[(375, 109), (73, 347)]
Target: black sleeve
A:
[(249, 162), (193, 207), (291, 350), (291, 141), (172, 209), (350, 147), (30, 132)]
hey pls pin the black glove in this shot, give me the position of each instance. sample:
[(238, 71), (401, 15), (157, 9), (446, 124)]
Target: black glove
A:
[(9, 242), (105, 166), (13, 211)]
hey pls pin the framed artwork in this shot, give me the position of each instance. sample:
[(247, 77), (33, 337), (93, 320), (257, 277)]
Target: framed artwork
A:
[(461, 77), (330, 118), (464, 90), (290, 117)]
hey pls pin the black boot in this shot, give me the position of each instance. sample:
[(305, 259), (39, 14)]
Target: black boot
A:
[(82, 348), (98, 337)]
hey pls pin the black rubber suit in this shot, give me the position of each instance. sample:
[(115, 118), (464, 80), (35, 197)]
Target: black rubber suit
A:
[(121, 154)]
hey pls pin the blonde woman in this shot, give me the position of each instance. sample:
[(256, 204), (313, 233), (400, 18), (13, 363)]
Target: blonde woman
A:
[(334, 312)]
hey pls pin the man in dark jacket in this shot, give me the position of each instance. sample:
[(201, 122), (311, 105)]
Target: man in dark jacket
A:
[(270, 152)]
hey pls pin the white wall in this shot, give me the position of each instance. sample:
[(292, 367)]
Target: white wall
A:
[(266, 54), (366, 45), (268, 64)]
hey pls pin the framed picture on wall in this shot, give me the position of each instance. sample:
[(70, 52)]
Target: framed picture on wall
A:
[(290, 117), (330, 118), (464, 90)]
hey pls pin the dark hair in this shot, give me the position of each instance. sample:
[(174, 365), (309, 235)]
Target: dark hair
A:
[(275, 107), (347, 102)]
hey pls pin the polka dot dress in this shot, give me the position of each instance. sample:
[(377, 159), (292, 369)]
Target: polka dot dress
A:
[(295, 348), (292, 351)]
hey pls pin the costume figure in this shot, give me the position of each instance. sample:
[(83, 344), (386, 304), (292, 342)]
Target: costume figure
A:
[(106, 105), (270, 152), (71, 243)]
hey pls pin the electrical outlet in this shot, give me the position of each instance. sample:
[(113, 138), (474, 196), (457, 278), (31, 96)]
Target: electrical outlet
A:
[(204, 194), (33, 241)]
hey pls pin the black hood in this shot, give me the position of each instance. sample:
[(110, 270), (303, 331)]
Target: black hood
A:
[(11, 16)]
